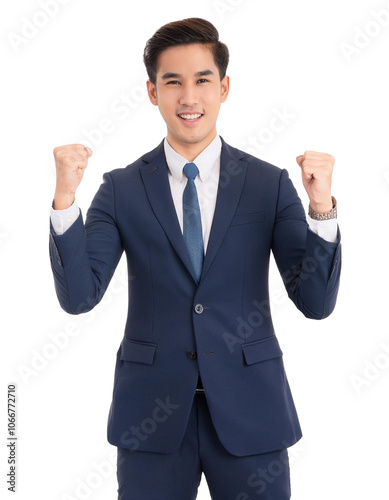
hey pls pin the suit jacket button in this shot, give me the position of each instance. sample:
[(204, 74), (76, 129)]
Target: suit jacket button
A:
[(192, 354), (199, 308)]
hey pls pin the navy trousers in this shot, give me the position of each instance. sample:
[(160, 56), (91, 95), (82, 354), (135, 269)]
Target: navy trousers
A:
[(176, 476)]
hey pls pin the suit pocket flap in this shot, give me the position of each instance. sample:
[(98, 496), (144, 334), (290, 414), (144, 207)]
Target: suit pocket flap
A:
[(140, 352), (261, 350)]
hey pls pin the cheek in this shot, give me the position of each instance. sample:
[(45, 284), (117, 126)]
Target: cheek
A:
[(212, 100), (213, 108), (165, 109)]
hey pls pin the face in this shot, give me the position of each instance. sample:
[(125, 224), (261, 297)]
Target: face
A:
[(188, 93)]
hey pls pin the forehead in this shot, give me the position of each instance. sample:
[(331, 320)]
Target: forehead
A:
[(186, 60)]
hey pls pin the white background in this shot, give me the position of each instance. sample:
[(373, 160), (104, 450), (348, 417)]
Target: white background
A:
[(59, 85)]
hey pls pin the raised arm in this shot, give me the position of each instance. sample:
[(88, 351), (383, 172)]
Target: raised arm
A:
[(83, 258), (309, 265)]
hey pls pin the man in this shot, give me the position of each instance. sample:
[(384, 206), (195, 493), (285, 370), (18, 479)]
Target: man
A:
[(197, 219)]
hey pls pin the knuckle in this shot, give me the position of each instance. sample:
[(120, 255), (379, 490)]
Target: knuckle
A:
[(57, 151)]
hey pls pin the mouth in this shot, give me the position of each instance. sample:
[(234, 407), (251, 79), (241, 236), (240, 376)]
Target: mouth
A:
[(190, 118)]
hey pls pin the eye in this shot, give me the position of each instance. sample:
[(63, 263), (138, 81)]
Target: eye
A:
[(172, 82), (203, 80)]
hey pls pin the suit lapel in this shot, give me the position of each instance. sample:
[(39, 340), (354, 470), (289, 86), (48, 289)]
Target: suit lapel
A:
[(231, 180), (154, 173), (155, 178)]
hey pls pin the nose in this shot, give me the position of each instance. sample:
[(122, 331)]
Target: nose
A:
[(189, 95)]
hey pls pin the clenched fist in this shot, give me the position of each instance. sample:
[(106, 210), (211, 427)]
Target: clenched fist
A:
[(70, 164), (316, 171)]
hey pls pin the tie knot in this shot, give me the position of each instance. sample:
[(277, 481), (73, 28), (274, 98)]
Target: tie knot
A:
[(190, 170)]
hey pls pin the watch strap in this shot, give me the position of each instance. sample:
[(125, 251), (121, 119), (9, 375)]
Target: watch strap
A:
[(332, 214)]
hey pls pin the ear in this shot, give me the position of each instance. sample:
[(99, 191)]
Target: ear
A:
[(152, 91), (224, 88)]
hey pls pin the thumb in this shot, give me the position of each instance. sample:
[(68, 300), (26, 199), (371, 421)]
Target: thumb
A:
[(90, 152), (299, 159)]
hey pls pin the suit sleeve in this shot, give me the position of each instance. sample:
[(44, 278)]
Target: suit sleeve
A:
[(309, 265), (84, 258)]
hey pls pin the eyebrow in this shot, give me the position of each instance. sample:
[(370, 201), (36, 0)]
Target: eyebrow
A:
[(206, 72)]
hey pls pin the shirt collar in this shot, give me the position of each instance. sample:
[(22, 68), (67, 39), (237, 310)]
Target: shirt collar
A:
[(204, 161)]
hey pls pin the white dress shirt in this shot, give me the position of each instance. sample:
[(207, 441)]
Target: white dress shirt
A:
[(206, 182)]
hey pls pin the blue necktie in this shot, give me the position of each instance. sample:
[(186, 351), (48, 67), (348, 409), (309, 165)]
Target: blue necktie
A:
[(192, 230)]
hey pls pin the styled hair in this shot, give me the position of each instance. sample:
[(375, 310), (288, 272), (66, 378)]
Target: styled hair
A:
[(185, 32)]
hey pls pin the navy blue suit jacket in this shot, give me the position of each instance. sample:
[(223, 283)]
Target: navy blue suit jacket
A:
[(225, 318)]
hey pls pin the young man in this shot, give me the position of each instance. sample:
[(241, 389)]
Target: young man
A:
[(197, 219)]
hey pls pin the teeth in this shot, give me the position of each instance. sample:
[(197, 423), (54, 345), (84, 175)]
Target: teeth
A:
[(190, 117)]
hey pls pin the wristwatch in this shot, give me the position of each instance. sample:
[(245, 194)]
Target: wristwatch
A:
[(332, 214)]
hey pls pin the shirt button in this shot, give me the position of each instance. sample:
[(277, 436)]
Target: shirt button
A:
[(70, 220), (192, 354), (199, 308)]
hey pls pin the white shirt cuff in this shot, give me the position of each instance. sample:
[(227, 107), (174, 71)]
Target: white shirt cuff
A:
[(63, 219), (326, 229)]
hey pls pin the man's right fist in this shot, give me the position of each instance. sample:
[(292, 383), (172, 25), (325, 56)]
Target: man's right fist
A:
[(70, 163)]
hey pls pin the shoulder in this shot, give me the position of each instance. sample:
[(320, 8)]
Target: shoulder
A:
[(254, 163), (131, 171)]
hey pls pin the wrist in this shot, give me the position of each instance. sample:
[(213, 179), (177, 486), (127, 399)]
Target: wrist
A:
[(314, 213), (321, 207), (63, 200)]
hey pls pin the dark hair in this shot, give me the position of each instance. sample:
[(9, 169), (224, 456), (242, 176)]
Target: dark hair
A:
[(185, 32)]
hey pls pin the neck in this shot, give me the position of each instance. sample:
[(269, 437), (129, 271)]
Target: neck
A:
[(188, 150)]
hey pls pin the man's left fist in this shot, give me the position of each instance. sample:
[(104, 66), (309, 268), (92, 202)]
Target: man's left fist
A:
[(316, 171)]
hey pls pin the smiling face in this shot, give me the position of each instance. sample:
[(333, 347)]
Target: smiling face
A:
[(188, 93)]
